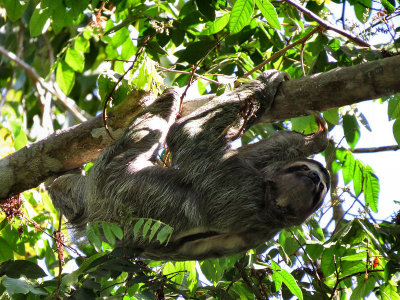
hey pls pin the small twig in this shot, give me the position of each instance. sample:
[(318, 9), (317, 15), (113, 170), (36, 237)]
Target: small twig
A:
[(278, 53), (248, 282), (57, 293), (302, 58), (186, 72), (309, 258), (108, 98), (344, 214), (375, 149), (34, 76), (327, 25), (194, 67)]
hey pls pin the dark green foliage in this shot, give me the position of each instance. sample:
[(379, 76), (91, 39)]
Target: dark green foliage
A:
[(67, 42)]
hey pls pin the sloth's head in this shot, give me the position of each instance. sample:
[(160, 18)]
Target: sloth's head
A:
[(300, 188)]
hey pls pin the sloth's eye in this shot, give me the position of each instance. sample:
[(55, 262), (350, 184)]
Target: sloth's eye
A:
[(304, 168)]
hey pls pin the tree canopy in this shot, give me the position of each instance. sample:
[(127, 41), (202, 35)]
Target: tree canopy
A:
[(93, 64)]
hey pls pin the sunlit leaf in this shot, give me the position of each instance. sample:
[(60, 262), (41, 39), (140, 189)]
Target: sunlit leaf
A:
[(38, 21), (216, 26), (358, 178), (65, 77), (269, 13), (82, 44), (371, 190), (332, 116), (394, 107), (240, 15), (164, 234), (75, 59), (388, 6), (15, 9), (362, 10), (284, 276)]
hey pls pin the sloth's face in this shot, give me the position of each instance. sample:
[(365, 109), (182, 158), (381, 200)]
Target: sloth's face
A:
[(301, 187)]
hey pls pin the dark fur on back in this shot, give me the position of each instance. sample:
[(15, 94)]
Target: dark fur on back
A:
[(218, 200)]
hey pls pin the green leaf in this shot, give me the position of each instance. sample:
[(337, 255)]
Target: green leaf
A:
[(287, 278), (17, 286), (213, 269), (327, 261), (396, 131), (304, 124), (348, 167), (332, 116), (364, 288), (117, 231), (75, 59), (269, 13), (93, 235), (146, 227), (195, 51), (314, 250), (371, 190), (107, 82), (65, 77), (82, 44), (137, 226), (17, 268), (351, 130), (240, 15), (358, 178), (394, 107), (127, 50), (361, 10), (120, 37), (38, 21), (15, 9), (206, 9), (216, 26), (154, 229), (6, 251), (20, 138), (389, 292), (164, 234), (108, 233), (388, 6)]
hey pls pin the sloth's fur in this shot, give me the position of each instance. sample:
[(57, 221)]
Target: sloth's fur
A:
[(219, 201)]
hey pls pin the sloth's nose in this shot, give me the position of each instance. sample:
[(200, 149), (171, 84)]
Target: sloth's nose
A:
[(314, 176)]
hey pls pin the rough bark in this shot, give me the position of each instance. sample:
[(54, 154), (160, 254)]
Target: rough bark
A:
[(69, 149)]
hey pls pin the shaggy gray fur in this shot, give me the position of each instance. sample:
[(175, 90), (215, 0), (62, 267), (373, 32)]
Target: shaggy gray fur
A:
[(218, 200)]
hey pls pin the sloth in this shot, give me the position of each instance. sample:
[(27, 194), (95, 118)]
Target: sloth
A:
[(220, 201)]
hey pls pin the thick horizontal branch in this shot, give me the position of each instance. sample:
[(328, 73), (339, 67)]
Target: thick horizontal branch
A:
[(65, 150), (69, 149), (336, 88)]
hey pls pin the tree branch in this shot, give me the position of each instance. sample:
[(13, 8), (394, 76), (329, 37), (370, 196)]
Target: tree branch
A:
[(69, 149), (34, 76), (375, 149), (327, 25)]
